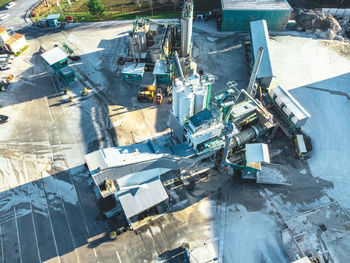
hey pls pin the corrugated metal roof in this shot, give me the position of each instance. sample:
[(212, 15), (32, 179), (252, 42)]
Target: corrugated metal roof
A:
[(135, 201), (260, 38), (54, 55), (255, 4), (17, 36), (257, 152), (134, 68), (290, 103)]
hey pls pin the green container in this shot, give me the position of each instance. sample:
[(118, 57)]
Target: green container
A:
[(238, 20)]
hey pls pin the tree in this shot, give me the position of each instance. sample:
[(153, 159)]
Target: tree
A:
[(151, 5), (139, 3), (96, 8)]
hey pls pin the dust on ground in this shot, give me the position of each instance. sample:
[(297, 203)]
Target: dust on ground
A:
[(341, 48)]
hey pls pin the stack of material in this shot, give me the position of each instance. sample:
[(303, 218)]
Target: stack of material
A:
[(323, 25)]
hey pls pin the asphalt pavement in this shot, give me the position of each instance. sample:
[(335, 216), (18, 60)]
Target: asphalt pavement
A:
[(17, 14)]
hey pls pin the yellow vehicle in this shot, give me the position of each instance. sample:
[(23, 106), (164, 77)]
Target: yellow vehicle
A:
[(145, 96)]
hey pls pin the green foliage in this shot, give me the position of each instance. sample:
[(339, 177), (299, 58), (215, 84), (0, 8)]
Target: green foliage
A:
[(96, 8)]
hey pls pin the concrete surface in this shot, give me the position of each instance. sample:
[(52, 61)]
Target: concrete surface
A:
[(45, 193)]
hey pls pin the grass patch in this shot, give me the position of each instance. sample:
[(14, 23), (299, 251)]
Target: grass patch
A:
[(116, 11), (21, 51), (4, 2)]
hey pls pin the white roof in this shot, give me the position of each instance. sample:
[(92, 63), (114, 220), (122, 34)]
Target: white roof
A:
[(255, 4), (54, 55), (257, 152), (135, 201), (115, 157), (301, 143), (303, 260)]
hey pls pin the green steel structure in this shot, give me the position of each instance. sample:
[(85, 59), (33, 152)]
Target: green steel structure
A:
[(237, 14)]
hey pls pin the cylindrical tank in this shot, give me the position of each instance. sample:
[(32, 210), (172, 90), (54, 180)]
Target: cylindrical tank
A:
[(246, 135), (186, 106), (186, 32), (199, 100), (154, 53), (177, 93)]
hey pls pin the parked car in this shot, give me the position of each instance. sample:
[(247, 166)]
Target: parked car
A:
[(3, 16), (4, 66), (10, 5), (3, 118)]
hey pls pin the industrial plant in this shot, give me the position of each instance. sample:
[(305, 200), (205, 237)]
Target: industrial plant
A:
[(217, 135)]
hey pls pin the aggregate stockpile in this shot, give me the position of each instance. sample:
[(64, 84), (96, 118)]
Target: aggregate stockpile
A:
[(323, 25)]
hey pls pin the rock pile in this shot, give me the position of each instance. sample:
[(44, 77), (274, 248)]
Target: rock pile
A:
[(323, 25), (345, 25)]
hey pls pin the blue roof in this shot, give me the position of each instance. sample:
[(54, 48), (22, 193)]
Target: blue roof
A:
[(201, 117)]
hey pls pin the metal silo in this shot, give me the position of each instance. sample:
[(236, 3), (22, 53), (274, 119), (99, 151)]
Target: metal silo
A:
[(186, 28), (177, 94), (186, 106)]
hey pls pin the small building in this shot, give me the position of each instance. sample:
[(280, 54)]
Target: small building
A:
[(52, 20), (58, 61), (161, 72), (259, 36), (133, 71), (56, 58), (237, 14), (14, 43)]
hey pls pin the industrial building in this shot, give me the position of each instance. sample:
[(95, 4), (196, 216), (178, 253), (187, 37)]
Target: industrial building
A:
[(202, 125), (237, 14)]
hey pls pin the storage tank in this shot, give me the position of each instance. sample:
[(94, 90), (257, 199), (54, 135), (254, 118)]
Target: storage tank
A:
[(177, 94), (199, 100), (186, 28), (186, 106)]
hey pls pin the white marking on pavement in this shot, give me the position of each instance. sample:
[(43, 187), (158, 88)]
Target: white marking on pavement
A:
[(70, 230), (19, 243), (2, 247), (118, 256), (48, 212), (36, 238), (81, 209), (222, 231), (95, 252)]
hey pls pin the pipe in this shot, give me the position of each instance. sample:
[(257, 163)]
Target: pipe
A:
[(179, 69), (250, 89), (132, 48)]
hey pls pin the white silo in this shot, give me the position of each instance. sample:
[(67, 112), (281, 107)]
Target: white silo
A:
[(177, 94), (186, 105)]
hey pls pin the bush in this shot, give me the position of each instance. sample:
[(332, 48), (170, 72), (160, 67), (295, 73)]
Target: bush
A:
[(33, 14)]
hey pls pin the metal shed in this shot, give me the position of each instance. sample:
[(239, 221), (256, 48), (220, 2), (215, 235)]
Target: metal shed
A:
[(135, 201), (259, 36), (238, 13)]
